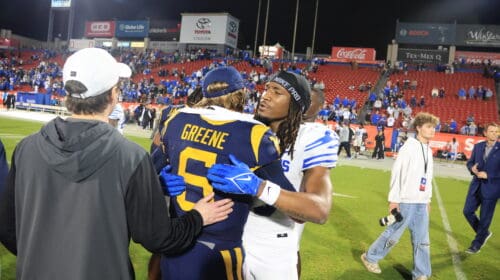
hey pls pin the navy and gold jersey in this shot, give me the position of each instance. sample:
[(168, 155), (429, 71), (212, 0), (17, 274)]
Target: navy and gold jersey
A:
[(195, 139), (166, 113)]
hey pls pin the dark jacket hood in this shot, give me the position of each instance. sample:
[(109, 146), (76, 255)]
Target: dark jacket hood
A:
[(76, 148)]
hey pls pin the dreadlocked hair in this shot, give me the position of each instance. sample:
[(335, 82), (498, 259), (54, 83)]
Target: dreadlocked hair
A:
[(289, 129), (234, 101)]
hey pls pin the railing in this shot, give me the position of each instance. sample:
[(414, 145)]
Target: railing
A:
[(58, 110)]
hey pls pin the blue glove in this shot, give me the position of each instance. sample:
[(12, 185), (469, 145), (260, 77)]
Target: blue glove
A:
[(173, 185), (236, 178)]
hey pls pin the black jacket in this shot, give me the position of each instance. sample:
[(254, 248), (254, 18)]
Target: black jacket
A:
[(76, 193)]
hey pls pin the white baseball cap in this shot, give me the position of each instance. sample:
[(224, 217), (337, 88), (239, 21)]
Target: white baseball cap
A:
[(96, 69)]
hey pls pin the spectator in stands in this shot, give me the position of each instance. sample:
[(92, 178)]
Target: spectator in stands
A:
[(378, 104), (464, 130), (472, 129), (445, 128), (461, 94), (434, 92), (390, 121), (480, 92), (375, 117), (470, 119), (472, 92), (453, 126), (421, 103), (413, 84), (438, 126), (442, 92), (488, 94), (413, 101), (320, 85)]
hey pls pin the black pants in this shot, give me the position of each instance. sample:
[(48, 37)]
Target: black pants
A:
[(378, 151), (347, 148)]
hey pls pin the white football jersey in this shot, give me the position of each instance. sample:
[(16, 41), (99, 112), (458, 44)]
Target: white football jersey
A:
[(316, 145)]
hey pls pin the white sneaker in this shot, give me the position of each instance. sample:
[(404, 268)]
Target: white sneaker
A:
[(487, 237), (372, 267)]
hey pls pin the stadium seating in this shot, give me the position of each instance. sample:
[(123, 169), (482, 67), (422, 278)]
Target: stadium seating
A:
[(450, 106)]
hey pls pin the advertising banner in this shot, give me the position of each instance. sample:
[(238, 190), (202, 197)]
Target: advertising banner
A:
[(78, 44), (232, 29), (465, 143), (477, 57), (423, 56), (104, 29), (425, 33), (164, 30), (438, 143), (132, 28), (478, 35), (348, 54), (209, 29), (60, 3)]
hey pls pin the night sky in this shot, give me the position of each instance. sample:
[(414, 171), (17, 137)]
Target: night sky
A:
[(340, 23)]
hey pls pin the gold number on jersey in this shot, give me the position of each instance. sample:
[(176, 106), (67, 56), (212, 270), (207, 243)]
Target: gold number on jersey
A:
[(208, 158)]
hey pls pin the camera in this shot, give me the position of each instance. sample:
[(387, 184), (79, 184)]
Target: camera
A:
[(395, 216)]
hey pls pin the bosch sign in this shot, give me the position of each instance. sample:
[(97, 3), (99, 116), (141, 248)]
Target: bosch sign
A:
[(425, 33)]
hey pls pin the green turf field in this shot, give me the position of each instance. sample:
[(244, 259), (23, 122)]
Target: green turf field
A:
[(332, 251)]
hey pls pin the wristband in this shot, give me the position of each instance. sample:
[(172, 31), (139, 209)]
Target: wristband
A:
[(270, 193)]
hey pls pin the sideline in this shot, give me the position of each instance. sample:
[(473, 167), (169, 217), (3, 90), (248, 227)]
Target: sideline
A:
[(343, 195), (452, 242)]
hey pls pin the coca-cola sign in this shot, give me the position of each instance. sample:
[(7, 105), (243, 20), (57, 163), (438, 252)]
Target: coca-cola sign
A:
[(100, 29), (346, 54), (478, 35)]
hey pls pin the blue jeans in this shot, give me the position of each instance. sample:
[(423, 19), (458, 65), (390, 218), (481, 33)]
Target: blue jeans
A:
[(416, 218)]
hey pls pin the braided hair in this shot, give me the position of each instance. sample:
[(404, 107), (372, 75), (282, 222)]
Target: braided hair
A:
[(288, 129)]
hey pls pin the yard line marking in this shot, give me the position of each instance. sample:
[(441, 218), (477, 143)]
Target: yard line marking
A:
[(343, 195), (452, 242)]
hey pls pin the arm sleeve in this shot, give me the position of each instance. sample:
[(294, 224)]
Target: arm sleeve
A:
[(397, 175), (147, 215), (8, 212), (472, 160)]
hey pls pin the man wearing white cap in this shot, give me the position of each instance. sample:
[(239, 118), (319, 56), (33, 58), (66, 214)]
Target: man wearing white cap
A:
[(77, 191)]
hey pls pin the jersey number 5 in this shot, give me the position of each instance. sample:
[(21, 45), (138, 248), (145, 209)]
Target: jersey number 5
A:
[(208, 159)]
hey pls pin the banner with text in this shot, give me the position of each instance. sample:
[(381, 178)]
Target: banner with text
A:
[(423, 56), (132, 28), (209, 29), (477, 57), (78, 44), (60, 3), (164, 30), (478, 35), (104, 29), (425, 33), (348, 54)]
